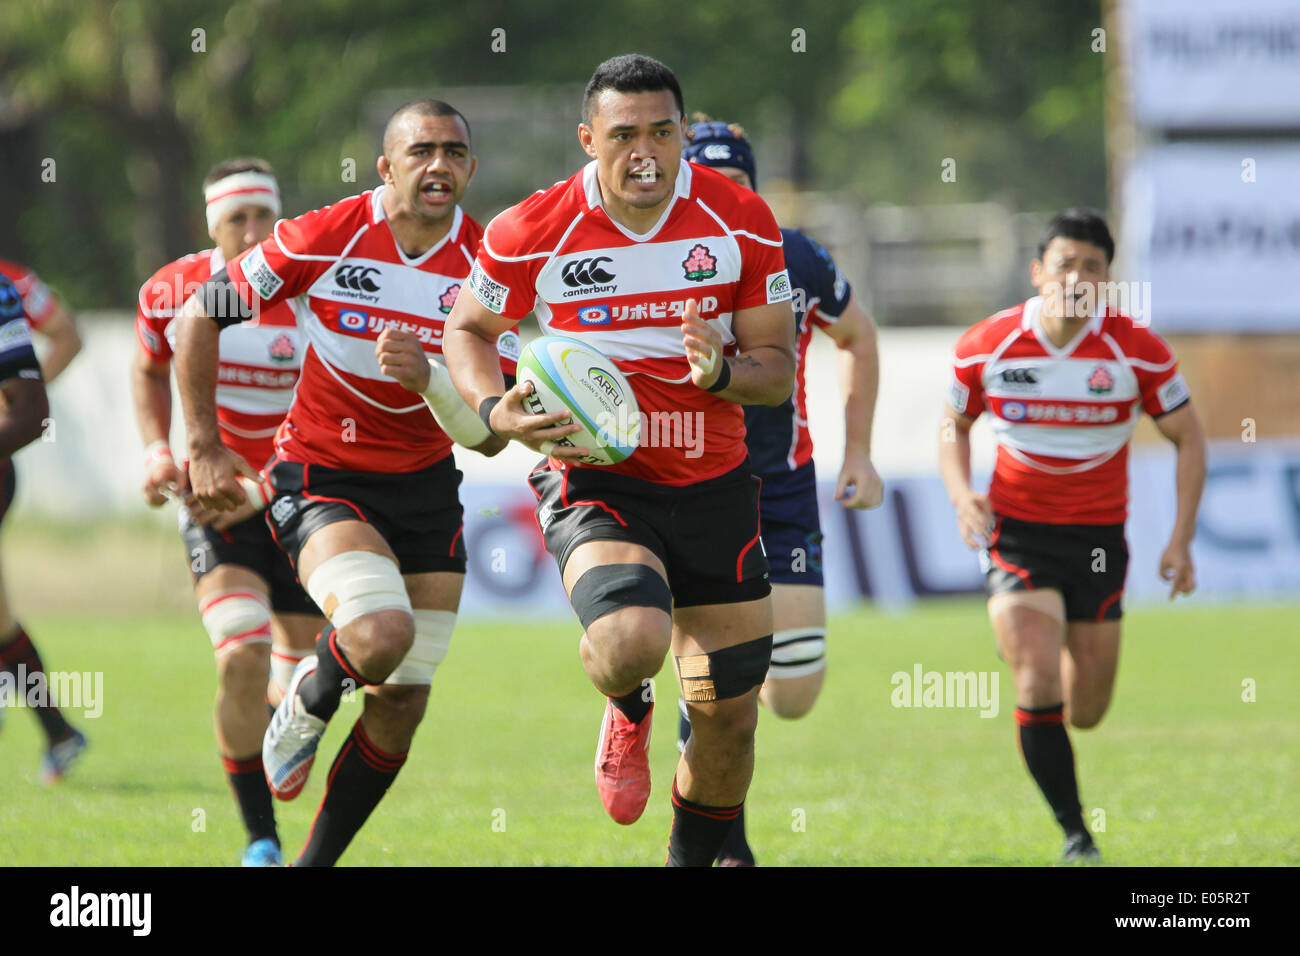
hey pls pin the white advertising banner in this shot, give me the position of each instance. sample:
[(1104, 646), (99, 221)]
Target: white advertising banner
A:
[(1215, 230), (1214, 63)]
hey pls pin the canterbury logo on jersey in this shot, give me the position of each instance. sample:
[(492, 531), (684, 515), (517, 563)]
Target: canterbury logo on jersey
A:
[(580, 272), (357, 277)]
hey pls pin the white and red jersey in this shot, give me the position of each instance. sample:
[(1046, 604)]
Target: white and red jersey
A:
[(1063, 417), (560, 255), (259, 360), (38, 301), (344, 263)]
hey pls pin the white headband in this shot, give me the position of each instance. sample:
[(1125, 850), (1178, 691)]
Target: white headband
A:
[(241, 189)]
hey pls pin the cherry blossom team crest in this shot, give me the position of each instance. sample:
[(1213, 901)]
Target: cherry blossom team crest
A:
[(699, 265), (282, 349), (448, 298), (1100, 382)]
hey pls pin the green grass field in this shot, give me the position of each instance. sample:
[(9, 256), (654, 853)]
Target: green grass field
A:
[(1186, 772)]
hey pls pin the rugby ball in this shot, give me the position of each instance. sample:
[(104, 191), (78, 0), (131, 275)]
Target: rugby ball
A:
[(568, 374)]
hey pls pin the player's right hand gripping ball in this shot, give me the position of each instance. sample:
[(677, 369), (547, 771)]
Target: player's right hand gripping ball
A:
[(568, 374)]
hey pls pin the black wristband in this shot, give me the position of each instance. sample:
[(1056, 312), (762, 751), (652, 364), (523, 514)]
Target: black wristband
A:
[(222, 302), (724, 377), (485, 410)]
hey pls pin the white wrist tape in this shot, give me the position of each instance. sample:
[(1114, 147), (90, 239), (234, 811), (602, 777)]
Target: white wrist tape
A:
[(157, 451), (458, 420)]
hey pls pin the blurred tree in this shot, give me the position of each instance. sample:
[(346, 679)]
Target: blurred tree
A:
[(134, 100)]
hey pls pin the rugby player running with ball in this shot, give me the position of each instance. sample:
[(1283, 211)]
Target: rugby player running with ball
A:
[(684, 288)]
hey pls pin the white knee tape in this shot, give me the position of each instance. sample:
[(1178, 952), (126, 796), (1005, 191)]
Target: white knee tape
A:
[(354, 583), (432, 639), (236, 617), (283, 661), (797, 652)]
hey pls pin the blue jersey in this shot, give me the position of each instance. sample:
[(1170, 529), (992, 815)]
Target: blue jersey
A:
[(778, 437)]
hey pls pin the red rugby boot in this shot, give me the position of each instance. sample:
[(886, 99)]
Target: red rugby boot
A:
[(623, 764)]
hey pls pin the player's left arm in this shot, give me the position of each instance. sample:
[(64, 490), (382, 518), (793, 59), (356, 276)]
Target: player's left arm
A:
[(1183, 428), (762, 370), (60, 330), (854, 334)]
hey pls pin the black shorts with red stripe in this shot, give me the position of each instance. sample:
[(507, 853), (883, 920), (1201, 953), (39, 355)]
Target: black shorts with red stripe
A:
[(247, 545), (706, 534), (418, 513), (1087, 563)]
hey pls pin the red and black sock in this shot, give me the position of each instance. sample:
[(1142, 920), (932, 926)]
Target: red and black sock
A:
[(361, 775), (334, 676), (698, 831), (21, 653), (248, 783), (736, 845), (1047, 752)]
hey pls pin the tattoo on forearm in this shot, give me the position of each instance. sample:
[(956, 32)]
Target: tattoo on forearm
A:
[(747, 360)]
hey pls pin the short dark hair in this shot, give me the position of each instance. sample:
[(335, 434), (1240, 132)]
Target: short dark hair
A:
[(630, 73), (228, 167), (423, 107), (1082, 223)]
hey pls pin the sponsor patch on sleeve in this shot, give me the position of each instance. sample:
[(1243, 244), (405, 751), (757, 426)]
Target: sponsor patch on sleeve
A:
[(958, 396), (1173, 393), (260, 275), (778, 287), (488, 291)]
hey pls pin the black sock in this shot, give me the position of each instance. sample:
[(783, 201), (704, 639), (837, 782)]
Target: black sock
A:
[(21, 652), (635, 705), (248, 783), (736, 845), (1047, 752), (361, 775), (334, 676), (698, 831)]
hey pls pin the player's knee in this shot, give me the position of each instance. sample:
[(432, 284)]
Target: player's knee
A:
[(1087, 716), (626, 610), (380, 640), (798, 668), (361, 587), (792, 698), (719, 685), (236, 619), (244, 668)]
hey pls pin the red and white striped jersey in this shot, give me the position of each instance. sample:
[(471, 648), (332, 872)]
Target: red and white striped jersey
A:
[(1063, 417), (259, 360), (38, 301), (560, 255), (345, 264)]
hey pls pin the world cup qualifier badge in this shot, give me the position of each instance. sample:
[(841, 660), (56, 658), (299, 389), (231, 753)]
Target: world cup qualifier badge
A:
[(699, 265)]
